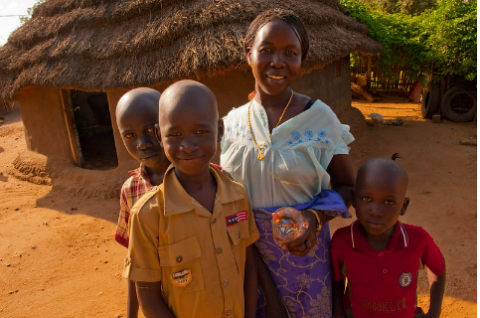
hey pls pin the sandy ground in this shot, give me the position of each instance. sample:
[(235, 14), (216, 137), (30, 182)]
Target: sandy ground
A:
[(58, 257)]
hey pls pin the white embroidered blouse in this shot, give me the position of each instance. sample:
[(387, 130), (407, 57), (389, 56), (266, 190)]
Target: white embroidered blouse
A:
[(296, 156)]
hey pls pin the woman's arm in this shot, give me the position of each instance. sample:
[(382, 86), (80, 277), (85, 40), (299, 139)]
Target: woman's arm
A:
[(342, 177)]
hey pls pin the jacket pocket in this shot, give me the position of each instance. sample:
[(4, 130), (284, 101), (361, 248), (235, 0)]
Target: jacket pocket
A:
[(180, 262)]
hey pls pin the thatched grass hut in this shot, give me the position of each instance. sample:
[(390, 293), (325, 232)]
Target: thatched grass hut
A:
[(71, 51)]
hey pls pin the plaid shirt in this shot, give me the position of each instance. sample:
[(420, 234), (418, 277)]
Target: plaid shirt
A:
[(132, 190)]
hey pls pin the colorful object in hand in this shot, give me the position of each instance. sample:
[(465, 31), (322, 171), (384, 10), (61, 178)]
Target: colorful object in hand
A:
[(287, 224)]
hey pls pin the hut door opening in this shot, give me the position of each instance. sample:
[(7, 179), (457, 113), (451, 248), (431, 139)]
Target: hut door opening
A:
[(93, 131)]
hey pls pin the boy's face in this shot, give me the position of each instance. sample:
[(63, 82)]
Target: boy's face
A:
[(189, 133), (379, 200), (137, 128)]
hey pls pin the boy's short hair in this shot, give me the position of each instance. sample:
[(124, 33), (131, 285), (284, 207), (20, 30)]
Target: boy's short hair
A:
[(180, 90), (130, 99), (384, 168)]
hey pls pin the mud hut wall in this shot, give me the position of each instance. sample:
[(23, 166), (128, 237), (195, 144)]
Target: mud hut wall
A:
[(326, 85), (43, 119), (232, 89)]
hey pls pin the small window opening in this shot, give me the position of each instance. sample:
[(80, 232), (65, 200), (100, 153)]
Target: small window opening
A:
[(94, 128)]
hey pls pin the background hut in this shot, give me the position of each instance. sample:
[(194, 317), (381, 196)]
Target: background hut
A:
[(72, 61)]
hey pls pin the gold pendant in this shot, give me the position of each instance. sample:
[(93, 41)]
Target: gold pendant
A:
[(260, 156)]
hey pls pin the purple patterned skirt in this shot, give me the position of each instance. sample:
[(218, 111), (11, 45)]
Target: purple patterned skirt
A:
[(304, 282)]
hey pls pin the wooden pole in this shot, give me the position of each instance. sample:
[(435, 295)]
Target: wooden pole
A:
[(369, 71), (69, 119)]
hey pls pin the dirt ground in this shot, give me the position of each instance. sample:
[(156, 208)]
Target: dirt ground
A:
[(58, 257)]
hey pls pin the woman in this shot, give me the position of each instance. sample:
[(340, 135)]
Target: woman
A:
[(286, 149)]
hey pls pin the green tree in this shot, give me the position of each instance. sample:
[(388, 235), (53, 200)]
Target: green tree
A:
[(450, 36), (396, 32), (444, 36)]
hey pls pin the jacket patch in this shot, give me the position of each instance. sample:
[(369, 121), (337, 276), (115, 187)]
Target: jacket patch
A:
[(405, 279), (237, 217), (182, 278)]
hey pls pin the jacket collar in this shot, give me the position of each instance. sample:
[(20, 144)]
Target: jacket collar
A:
[(177, 200), (398, 240)]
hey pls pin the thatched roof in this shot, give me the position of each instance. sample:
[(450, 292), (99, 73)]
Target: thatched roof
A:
[(97, 45)]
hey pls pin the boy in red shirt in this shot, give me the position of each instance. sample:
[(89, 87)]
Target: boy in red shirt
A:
[(379, 256), (137, 114)]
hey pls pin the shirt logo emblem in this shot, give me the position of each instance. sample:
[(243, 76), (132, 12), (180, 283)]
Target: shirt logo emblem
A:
[(182, 278), (235, 218), (405, 279)]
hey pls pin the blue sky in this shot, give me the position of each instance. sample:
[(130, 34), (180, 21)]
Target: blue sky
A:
[(9, 8)]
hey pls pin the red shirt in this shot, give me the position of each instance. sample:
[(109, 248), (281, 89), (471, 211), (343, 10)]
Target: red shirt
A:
[(383, 282)]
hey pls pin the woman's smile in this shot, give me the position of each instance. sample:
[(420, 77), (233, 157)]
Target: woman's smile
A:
[(276, 77)]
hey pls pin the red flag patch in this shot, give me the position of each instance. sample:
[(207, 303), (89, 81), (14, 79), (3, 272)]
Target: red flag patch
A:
[(235, 218)]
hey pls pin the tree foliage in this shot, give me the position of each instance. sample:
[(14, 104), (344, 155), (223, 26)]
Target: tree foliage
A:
[(444, 36), (450, 37)]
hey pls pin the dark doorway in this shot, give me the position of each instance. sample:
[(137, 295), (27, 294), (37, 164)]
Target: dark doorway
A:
[(94, 128)]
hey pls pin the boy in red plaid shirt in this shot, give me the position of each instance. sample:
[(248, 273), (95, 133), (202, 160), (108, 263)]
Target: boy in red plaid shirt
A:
[(137, 114)]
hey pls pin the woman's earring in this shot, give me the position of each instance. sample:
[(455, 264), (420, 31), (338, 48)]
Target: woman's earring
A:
[(249, 64)]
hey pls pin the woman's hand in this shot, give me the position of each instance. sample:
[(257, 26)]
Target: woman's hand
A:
[(304, 243)]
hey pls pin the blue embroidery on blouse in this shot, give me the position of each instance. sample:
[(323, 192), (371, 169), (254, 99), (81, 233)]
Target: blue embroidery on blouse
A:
[(238, 130), (309, 136), (295, 135)]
